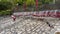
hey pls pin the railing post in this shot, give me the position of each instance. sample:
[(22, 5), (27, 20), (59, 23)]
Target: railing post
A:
[(36, 5)]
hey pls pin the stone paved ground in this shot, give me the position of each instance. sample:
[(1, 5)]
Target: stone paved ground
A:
[(24, 25)]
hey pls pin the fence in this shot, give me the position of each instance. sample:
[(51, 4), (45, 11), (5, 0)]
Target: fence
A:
[(33, 8)]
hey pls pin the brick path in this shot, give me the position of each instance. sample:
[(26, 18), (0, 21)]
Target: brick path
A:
[(28, 26)]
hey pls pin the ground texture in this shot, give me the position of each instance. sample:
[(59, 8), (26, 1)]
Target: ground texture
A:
[(24, 25)]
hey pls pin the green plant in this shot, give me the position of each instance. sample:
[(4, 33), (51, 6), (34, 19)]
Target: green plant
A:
[(5, 5)]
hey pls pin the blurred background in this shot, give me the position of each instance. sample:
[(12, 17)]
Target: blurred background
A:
[(7, 7)]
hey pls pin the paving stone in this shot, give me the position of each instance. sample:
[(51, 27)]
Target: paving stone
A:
[(29, 26)]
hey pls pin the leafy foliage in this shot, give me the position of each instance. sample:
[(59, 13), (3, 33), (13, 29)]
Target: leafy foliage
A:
[(41, 2), (5, 5), (30, 2), (5, 12)]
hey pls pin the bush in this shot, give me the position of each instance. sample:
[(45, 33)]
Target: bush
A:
[(5, 5), (2, 13)]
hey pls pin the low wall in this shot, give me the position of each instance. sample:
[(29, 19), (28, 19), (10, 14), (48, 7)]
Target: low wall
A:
[(40, 13)]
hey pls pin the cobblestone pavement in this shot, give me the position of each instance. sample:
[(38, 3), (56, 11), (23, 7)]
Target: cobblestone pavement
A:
[(28, 26)]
